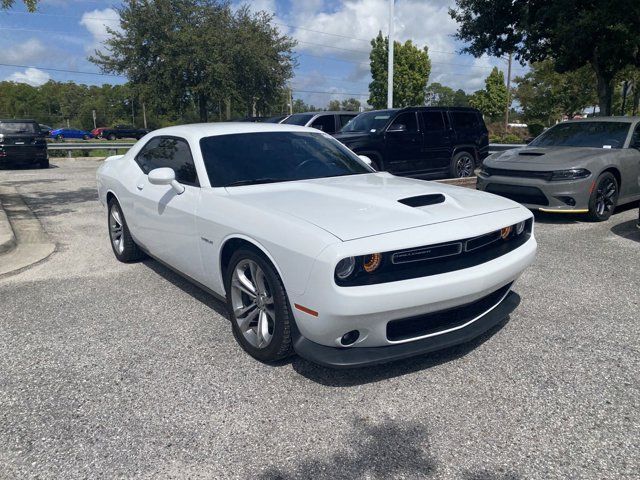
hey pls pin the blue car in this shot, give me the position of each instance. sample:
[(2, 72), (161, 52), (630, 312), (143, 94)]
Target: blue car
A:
[(62, 133)]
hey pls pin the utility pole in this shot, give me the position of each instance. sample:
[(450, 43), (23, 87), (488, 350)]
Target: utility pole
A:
[(506, 110), (133, 115), (390, 68), (625, 90), (144, 115), (290, 102)]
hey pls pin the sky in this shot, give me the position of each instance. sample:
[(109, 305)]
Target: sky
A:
[(333, 43)]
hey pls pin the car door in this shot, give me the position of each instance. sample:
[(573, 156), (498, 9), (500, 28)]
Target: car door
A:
[(630, 167), (165, 220), (437, 141), (403, 145)]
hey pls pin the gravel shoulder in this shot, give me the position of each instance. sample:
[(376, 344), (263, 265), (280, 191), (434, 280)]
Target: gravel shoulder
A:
[(112, 370)]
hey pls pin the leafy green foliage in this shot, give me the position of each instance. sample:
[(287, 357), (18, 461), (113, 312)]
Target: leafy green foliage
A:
[(181, 53), (438, 95), (602, 33), (351, 105), (546, 95), (333, 105), (491, 101), (412, 68), (30, 4)]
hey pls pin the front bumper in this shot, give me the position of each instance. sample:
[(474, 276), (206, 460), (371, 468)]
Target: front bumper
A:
[(539, 194), (361, 357)]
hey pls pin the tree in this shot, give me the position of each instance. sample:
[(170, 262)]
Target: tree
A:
[(411, 73), (179, 53), (492, 100), (333, 105), (546, 95), (30, 4), (351, 105), (602, 33)]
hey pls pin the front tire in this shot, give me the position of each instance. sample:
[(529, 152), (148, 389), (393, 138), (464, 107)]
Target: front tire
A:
[(604, 198), (462, 165), (124, 248), (258, 306)]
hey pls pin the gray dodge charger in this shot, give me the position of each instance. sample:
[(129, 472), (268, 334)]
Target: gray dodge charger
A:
[(581, 166)]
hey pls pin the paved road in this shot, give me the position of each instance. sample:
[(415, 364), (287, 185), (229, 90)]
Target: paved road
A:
[(111, 370)]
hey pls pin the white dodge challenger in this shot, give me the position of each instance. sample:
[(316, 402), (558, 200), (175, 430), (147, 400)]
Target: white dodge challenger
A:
[(312, 250)]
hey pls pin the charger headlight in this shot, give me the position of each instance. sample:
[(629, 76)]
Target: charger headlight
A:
[(571, 174)]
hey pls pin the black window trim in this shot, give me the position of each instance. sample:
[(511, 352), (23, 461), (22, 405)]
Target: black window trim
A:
[(402, 112), (175, 137)]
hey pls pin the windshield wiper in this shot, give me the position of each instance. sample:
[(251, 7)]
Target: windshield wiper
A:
[(255, 181)]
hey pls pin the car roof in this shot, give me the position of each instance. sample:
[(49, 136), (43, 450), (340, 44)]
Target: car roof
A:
[(228, 128), (607, 119), (328, 112)]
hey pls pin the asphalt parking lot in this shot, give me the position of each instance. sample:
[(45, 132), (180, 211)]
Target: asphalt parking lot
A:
[(112, 370)]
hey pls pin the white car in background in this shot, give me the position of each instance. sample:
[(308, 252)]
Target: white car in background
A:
[(313, 251)]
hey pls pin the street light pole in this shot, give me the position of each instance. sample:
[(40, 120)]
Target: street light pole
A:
[(506, 112), (390, 68)]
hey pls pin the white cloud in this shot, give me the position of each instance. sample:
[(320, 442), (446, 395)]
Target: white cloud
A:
[(31, 76), (354, 22), (31, 51), (97, 22)]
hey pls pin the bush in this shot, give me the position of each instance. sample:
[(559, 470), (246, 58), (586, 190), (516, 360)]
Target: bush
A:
[(535, 129), (506, 138)]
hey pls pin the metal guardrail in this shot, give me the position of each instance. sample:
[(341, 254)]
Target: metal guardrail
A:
[(113, 147)]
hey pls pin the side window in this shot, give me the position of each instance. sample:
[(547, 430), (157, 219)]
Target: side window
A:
[(169, 152), (405, 122), (326, 123), (635, 138), (464, 119), (344, 119), (433, 121)]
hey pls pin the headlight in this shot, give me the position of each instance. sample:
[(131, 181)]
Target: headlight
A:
[(572, 174), (345, 268), (372, 262), (520, 228)]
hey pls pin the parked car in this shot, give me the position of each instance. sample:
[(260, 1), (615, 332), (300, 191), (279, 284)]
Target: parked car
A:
[(120, 131), (64, 133), (22, 143), (328, 122), (45, 129), (313, 251), (581, 166), (423, 142)]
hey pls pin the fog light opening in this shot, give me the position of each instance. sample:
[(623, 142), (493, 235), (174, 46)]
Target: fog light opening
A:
[(350, 338), (568, 201)]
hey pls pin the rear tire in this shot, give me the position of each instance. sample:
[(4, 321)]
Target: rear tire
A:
[(124, 248), (85, 137), (604, 198), (462, 165), (111, 137), (259, 309)]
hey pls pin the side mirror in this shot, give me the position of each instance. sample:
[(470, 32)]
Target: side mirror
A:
[(165, 176), (366, 160)]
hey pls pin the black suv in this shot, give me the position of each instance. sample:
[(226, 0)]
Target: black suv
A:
[(22, 143), (420, 141)]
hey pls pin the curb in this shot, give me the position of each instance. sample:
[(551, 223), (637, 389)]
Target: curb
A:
[(469, 182), (7, 237), (31, 243)]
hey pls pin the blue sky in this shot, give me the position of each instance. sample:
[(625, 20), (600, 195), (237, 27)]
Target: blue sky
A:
[(332, 52)]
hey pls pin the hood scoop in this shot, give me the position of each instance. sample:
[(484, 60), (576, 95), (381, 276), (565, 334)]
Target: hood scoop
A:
[(531, 154), (423, 200)]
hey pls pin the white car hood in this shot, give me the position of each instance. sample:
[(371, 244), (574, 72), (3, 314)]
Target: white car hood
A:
[(358, 206)]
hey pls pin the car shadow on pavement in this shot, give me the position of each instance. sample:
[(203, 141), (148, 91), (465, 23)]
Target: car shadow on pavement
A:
[(187, 287), (359, 376), (376, 450), (627, 230)]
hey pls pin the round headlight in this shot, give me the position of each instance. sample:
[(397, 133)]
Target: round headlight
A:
[(505, 232), (519, 228), (345, 267), (372, 262)]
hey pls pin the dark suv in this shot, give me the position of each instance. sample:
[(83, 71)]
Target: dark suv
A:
[(22, 143), (328, 122), (420, 141)]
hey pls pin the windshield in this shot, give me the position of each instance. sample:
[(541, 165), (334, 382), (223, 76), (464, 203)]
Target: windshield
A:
[(299, 119), (253, 158), (14, 128), (584, 134), (368, 122)]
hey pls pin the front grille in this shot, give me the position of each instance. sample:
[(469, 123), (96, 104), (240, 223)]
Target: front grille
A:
[(414, 327), (518, 193), (518, 173)]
